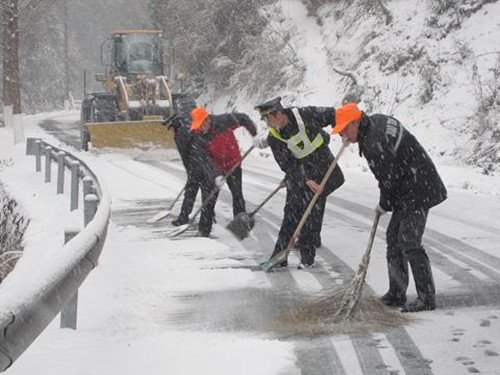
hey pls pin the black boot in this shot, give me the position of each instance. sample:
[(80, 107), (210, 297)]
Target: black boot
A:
[(283, 263), (181, 220), (393, 300), (203, 233), (397, 268), (418, 305), (424, 283), (317, 241)]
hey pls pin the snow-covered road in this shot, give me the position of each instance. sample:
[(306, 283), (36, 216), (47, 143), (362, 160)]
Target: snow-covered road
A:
[(196, 306)]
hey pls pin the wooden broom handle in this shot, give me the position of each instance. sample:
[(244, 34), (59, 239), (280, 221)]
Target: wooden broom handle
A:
[(316, 195)]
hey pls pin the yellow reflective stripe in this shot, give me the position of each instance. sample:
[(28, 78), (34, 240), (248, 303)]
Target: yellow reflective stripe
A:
[(301, 137), (276, 135)]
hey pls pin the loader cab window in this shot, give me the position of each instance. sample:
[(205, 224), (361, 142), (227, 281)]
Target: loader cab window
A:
[(140, 58), (138, 54)]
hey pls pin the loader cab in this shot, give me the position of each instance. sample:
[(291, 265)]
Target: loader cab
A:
[(137, 53)]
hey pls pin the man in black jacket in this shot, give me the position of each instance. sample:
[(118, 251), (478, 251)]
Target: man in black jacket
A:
[(300, 148), (409, 186)]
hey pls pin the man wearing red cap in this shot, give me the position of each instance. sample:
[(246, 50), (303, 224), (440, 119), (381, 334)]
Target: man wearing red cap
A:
[(216, 132), (409, 186)]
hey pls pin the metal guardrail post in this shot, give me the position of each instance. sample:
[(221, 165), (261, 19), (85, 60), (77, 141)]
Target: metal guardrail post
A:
[(60, 172), (87, 186), (75, 171), (70, 310), (38, 156), (48, 163), (89, 208)]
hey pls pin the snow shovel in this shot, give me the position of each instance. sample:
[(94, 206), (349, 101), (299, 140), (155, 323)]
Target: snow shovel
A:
[(283, 255), (243, 223), (163, 214), (211, 196), (353, 292)]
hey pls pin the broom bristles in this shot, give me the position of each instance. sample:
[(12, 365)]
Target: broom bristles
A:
[(319, 315), (342, 309), (355, 289)]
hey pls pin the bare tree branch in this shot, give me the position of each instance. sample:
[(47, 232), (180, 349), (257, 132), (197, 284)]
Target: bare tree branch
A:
[(346, 74)]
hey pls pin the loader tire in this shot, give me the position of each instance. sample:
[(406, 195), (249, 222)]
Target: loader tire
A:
[(104, 109), (85, 117), (85, 140)]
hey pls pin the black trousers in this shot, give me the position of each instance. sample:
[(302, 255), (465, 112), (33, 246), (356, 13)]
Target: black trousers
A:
[(209, 194), (297, 200), (404, 246), (234, 183), (193, 184)]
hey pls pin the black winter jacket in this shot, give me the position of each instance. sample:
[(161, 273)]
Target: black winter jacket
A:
[(315, 165), (408, 179), (193, 154), (232, 120)]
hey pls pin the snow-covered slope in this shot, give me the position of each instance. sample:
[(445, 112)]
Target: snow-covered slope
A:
[(435, 69)]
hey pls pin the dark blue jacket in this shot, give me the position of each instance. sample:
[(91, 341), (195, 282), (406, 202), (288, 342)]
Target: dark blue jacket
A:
[(407, 177)]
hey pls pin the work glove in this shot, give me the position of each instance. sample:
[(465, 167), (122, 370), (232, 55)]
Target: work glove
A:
[(379, 210), (172, 120), (258, 142), (219, 181)]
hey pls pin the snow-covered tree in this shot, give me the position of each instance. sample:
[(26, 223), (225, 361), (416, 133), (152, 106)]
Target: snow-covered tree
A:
[(11, 73)]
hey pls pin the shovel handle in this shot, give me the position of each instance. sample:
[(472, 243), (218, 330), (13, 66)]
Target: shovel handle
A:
[(284, 253), (315, 197), (213, 193), (176, 198), (233, 168), (278, 188), (372, 235)]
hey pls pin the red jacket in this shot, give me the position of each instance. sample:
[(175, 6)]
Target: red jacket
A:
[(220, 142), (224, 150)]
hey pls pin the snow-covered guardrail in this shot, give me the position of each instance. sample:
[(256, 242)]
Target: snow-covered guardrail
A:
[(26, 312)]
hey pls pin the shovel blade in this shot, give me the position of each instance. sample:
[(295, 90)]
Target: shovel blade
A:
[(241, 225), (268, 265), (179, 230), (159, 216)]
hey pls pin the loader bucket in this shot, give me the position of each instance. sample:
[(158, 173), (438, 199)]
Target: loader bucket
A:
[(144, 134)]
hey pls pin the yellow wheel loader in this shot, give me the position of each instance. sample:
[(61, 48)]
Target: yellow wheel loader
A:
[(136, 96)]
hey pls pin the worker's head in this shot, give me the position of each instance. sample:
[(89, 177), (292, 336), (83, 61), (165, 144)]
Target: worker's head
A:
[(200, 120), (347, 120), (272, 113)]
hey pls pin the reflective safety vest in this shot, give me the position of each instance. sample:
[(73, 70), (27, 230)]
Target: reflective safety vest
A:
[(299, 144)]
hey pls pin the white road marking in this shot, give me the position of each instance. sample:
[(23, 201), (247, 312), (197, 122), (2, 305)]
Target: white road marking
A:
[(347, 355), (388, 354)]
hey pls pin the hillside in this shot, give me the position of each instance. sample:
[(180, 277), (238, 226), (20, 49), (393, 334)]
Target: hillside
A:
[(435, 66)]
